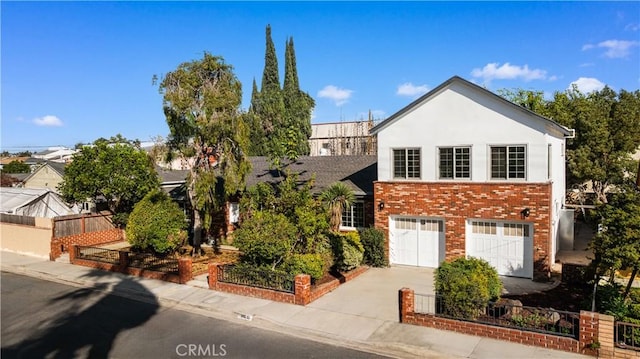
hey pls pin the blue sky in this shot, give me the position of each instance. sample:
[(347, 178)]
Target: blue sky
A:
[(76, 71)]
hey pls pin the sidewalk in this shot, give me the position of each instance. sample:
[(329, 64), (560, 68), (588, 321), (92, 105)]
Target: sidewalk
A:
[(325, 323)]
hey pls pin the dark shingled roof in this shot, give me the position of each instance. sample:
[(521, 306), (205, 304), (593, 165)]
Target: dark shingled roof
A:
[(357, 172), (58, 167), (171, 175)]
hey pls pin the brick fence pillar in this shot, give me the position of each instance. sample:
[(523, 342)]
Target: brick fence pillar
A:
[(588, 332), (213, 275), (606, 336), (123, 262), (302, 289), (406, 303), (72, 253), (185, 271)]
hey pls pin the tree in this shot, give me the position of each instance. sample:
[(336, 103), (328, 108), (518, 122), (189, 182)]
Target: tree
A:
[(617, 245), (607, 133), (258, 143), (16, 166), (337, 197), (201, 101), (157, 223), (116, 169), (298, 106)]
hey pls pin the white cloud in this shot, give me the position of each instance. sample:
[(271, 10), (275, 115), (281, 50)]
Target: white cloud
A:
[(48, 121), (336, 94), (615, 49), (587, 84), (507, 71), (409, 89), (632, 27)]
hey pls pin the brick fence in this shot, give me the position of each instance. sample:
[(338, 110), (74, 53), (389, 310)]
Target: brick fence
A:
[(184, 267), (64, 244), (594, 328), (303, 292)]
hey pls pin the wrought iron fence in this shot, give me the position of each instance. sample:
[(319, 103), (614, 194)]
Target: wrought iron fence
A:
[(256, 277), (627, 335), (504, 314), (151, 262), (98, 254)]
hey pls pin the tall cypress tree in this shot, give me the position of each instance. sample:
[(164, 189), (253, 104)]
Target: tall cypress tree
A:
[(256, 131), (298, 107), (271, 109)]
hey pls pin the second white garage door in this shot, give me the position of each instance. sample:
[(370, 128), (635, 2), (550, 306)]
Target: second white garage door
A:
[(508, 247), (416, 241)]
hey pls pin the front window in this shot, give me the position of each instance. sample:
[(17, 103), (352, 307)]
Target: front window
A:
[(406, 163), (353, 217), (455, 162), (508, 162)]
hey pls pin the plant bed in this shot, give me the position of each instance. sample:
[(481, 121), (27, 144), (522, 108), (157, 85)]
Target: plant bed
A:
[(566, 297)]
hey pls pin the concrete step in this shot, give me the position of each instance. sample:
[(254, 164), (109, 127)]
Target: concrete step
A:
[(64, 258)]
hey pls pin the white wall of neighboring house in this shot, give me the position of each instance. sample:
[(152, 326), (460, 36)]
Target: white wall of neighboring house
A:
[(56, 154), (341, 138)]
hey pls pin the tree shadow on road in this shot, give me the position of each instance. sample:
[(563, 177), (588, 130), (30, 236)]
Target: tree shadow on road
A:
[(91, 324)]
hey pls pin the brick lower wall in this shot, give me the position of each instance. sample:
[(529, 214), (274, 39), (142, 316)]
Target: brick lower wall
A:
[(303, 294), (184, 266), (457, 202), (592, 327), (64, 244)]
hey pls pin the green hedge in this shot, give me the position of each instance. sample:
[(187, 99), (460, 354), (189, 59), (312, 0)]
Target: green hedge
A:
[(373, 242), (348, 251)]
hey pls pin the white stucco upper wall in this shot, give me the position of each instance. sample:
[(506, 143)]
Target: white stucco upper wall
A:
[(460, 115)]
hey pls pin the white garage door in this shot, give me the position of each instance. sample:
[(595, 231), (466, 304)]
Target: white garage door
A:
[(508, 247), (416, 241)]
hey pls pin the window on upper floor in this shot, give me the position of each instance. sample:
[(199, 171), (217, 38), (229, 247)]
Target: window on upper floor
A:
[(508, 162), (406, 163), (353, 217), (454, 162)]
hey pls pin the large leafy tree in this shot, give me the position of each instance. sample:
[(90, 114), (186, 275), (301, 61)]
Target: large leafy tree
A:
[(116, 169), (201, 100), (16, 166), (617, 244)]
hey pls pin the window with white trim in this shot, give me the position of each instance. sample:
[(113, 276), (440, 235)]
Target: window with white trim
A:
[(508, 162), (234, 212), (479, 227), (516, 230), (353, 217), (406, 163), (454, 162)]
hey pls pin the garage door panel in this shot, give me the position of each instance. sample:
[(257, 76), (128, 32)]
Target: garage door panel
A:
[(506, 246), (416, 241)]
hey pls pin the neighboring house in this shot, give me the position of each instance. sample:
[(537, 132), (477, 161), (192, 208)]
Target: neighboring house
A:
[(49, 175), (172, 182), (33, 202), (56, 154), (342, 138), (464, 172), (357, 172)]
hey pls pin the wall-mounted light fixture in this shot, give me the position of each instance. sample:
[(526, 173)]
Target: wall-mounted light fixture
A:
[(525, 212), (381, 205)]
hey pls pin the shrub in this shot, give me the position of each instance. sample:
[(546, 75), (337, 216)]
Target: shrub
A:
[(347, 250), (265, 239), (466, 286), (373, 242), (311, 264), (157, 223)]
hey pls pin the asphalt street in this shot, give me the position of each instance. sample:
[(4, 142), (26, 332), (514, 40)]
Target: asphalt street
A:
[(42, 319)]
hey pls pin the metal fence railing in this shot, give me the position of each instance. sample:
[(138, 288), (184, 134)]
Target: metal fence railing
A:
[(256, 277), (98, 254), (542, 320), (154, 263), (627, 335)]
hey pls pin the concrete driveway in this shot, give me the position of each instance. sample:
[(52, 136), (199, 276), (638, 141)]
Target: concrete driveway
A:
[(374, 294)]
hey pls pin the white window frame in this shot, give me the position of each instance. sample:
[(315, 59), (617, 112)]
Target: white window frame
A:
[(350, 212), (406, 163), (507, 165), (234, 212), (455, 174)]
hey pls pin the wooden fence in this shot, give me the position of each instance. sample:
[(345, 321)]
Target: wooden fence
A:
[(18, 219), (65, 226)]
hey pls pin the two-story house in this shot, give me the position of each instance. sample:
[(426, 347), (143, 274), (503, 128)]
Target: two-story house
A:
[(464, 172)]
